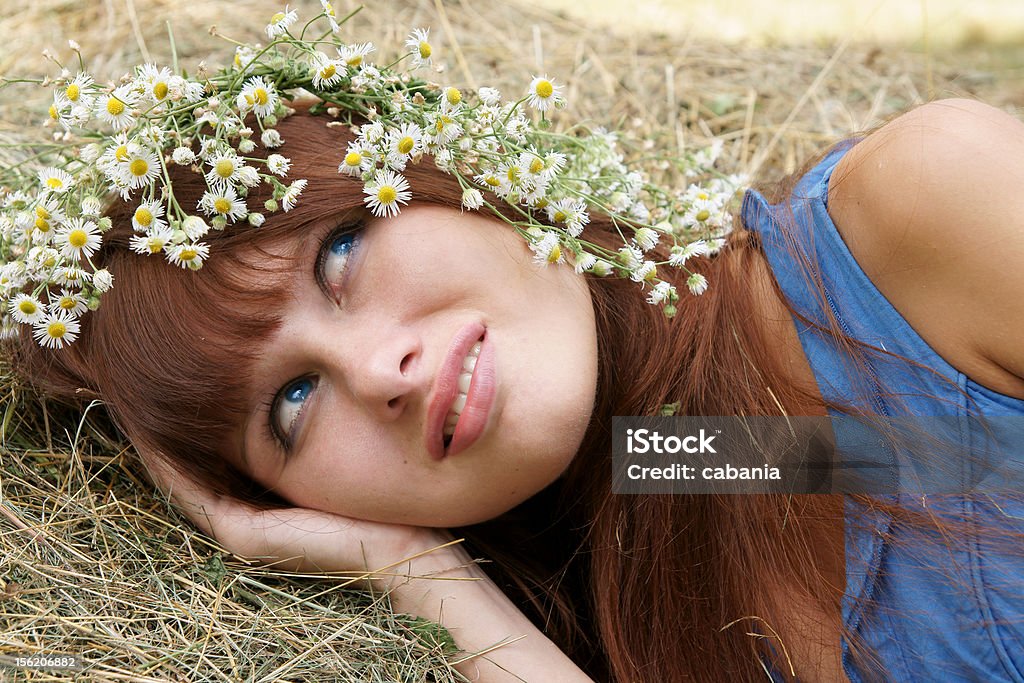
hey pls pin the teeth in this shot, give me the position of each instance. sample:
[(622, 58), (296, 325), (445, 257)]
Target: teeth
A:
[(465, 379)]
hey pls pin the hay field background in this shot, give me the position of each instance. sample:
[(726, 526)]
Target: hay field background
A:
[(92, 563)]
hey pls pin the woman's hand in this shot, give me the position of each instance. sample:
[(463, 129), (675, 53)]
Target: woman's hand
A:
[(502, 644), (300, 539)]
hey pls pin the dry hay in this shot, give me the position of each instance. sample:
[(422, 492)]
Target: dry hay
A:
[(93, 564)]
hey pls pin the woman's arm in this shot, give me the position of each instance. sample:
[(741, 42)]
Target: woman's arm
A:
[(932, 205), (454, 592)]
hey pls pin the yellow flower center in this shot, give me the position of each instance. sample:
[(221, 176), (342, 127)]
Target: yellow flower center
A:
[(555, 254), (222, 205), (353, 159), (187, 254), (138, 167), (54, 183), (73, 91), (238, 60), (67, 303), (513, 173), (224, 168), (143, 216), (77, 238), (406, 144), (160, 90), (42, 212), (121, 153), (492, 181), (155, 245), (260, 95), (328, 72), (544, 89), (425, 50), (50, 262), (56, 330), (42, 225), (387, 194), (354, 60), (54, 114), (277, 18), (560, 216), (115, 107), (328, 9), (703, 215), (703, 195), (453, 96), (27, 307), (536, 166)]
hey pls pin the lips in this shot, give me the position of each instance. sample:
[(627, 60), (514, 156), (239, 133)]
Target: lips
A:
[(446, 389)]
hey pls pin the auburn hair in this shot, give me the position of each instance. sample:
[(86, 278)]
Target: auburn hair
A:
[(634, 588)]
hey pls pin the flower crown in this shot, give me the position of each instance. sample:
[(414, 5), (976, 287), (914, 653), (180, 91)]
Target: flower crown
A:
[(123, 139)]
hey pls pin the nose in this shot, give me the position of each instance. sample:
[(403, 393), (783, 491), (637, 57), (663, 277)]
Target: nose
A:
[(383, 368)]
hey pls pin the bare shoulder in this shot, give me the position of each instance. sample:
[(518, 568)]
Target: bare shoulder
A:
[(931, 206)]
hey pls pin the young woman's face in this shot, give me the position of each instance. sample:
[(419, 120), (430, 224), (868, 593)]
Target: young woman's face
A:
[(371, 363)]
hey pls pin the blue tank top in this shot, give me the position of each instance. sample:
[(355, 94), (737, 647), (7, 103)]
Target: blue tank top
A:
[(919, 625)]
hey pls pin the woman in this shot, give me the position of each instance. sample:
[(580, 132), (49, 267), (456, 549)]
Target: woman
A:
[(341, 386)]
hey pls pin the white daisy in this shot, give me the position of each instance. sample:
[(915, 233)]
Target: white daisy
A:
[(547, 249), (71, 276), (472, 198), (278, 164), (280, 22), (419, 43), (77, 238), (57, 330), (385, 192), (356, 161), (271, 139), (155, 82), (76, 91), (584, 262), (188, 255), (55, 180), (26, 309), (183, 156), (645, 238), (645, 271), (224, 169), (148, 216), (102, 280), (260, 96), (152, 242), (141, 167), (72, 302), (405, 141), (326, 71), (194, 227), (116, 108), (697, 283), (330, 14), (661, 292), (291, 195), (679, 255), (223, 201), (353, 55), (444, 127), (571, 212), (544, 94)]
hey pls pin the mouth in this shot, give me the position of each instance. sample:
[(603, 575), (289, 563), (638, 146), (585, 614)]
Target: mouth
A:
[(453, 403), (465, 380)]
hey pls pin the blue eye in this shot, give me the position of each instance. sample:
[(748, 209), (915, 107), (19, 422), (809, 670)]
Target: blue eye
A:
[(287, 407), (335, 254)]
